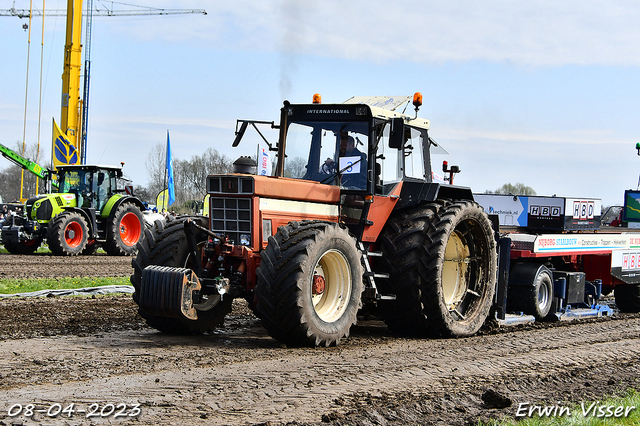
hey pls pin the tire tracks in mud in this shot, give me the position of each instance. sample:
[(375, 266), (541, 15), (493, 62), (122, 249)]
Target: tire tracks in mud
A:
[(241, 376)]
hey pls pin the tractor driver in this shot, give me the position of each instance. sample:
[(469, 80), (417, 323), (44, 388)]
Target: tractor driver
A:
[(353, 177)]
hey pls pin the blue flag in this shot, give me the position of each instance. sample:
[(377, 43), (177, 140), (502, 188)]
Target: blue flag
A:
[(172, 194)]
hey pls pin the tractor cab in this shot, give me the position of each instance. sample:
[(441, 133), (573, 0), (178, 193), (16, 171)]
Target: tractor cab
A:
[(366, 150), (92, 185), (356, 146)]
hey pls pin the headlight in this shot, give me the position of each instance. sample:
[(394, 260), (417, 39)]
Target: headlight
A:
[(245, 239)]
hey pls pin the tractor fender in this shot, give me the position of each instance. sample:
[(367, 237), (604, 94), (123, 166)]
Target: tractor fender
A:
[(416, 192), (115, 202)]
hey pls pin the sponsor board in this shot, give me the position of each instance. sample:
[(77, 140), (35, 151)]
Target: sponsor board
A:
[(544, 213), (625, 265), (582, 213), (510, 209), (582, 243)]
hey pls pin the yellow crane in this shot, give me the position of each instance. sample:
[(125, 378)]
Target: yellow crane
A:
[(72, 127)]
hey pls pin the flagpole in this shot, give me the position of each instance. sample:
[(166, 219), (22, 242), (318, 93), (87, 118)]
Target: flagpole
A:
[(166, 170)]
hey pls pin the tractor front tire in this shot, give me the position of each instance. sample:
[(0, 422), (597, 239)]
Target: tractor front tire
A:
[(165, 244), (124, 230), (309, 284), (67, 234)]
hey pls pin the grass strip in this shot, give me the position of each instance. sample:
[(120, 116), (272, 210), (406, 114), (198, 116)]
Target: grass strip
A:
[(28, 285)]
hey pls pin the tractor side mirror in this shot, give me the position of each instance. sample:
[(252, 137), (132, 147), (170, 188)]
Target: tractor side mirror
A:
[(100, 178), (396, 134), (240, 133)]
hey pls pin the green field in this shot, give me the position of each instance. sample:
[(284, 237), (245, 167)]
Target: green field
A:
[(28, 285)]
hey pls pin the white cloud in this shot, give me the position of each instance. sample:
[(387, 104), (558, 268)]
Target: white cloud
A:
[(541, 33)]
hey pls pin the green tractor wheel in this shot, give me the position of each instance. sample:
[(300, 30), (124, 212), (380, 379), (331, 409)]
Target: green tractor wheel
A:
[(67, 235), (91, 247), (125, 229), (27, 247)]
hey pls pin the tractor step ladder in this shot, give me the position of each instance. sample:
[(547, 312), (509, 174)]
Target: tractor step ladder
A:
[(371, 290)]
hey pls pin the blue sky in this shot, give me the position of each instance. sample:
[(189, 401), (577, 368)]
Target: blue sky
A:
[(544, 93)]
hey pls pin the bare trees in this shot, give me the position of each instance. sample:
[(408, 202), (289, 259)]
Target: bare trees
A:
[(190, 176), (156, 168), (11, 176)]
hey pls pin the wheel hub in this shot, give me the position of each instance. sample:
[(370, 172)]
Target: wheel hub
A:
[(130, 229), (318, 285)]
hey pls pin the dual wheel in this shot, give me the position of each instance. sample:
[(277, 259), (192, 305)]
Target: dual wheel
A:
[(441, 258), (442, 264)]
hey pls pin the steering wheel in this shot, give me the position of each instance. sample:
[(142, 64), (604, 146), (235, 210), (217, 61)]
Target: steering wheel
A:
[(328, 169)]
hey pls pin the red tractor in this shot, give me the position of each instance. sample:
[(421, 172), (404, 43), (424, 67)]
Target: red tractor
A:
[(350, 219)]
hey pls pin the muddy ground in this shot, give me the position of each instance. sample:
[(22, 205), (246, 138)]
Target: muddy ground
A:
[(99, 351)]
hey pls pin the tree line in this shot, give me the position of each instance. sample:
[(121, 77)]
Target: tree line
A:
[(190, 176)]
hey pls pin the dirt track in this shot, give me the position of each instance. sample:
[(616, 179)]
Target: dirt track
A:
[(46, 266), (84, 351)]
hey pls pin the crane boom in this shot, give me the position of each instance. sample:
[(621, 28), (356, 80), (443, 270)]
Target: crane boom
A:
[(70, 137), (26, 164), (24, 13), (69, 117)]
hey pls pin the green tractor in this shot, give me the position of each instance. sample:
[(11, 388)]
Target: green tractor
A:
[(87, 211)]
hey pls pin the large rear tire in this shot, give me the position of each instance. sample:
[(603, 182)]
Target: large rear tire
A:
[(67, 234), (165, 244), (124, 230), (627, 297), (460, 269), (402, 244), (310, 284)]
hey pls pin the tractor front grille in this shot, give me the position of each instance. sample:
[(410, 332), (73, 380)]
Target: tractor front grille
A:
[(232, 217), (45, 210)]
